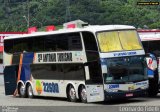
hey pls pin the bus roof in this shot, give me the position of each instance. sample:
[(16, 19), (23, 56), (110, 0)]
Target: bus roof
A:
[(149, 35), (91, 28)]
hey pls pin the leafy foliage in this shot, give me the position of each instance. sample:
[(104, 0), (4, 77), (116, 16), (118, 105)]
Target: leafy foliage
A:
[(14, 13)]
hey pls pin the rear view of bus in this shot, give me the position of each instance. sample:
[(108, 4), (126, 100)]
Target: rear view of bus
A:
[(123, 63)]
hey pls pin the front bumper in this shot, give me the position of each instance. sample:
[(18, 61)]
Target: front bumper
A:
[(123, 95)]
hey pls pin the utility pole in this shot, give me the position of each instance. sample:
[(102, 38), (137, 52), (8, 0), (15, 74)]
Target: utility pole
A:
[(27, 17), (28, 23), (68, 15)]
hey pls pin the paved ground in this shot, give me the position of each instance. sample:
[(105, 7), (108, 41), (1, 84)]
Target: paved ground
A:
[(41, 104)]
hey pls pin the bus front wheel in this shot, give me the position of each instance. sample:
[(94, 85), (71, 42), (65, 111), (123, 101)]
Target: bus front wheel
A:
[(29, 91), (71, 94), (83, 94)]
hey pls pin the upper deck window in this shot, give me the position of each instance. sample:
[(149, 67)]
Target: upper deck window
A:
[(46, 43), (118, 41)]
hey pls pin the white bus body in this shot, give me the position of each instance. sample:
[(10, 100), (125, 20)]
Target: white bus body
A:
[(77, 63)]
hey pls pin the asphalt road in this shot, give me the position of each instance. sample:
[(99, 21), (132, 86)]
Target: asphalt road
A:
[(50, 104)]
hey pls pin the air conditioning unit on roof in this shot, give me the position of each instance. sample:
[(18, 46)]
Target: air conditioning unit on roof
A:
[(75, 24)]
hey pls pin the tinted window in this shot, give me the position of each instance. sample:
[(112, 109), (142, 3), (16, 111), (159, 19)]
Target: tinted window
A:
[(18, 45), (70, 41), (73, 72), (47, 71), (74, 41), (28, 43), (95, 72), (89, 41), (8, 46), (121, 71), (152, 47), (58, 71), (38, 43), (61, 42), (50, 43)]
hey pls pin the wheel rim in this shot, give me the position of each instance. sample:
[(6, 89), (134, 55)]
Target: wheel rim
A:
[(30, 93), (84, 94), (72, 93), (22, 90)]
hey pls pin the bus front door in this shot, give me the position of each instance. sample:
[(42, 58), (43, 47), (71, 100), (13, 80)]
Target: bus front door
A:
[(94, 83)]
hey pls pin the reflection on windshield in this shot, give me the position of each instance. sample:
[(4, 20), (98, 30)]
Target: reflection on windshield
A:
[(118, 41), (128, 69)]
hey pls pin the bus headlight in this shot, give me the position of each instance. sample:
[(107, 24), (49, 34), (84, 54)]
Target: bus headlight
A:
[(111, 90)]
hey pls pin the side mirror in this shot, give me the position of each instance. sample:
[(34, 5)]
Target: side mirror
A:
[(104, 69)]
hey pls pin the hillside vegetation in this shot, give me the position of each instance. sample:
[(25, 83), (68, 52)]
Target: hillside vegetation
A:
[(14, 13)]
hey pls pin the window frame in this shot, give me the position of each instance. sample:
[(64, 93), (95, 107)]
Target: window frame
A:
[(117, 30), (34, 38)]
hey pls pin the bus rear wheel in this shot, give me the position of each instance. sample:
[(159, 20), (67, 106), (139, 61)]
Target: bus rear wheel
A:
[(21, 91), (30, 91), (71, 94), (83, 94)]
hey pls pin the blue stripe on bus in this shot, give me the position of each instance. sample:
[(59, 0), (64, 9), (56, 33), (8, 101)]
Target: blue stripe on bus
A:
[(28, 58), (25, 70)]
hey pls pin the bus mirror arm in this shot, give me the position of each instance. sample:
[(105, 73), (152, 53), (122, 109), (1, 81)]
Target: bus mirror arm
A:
[(86, 64)]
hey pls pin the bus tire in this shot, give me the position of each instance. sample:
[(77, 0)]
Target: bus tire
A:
[(83, 94), (21, 91), (71, 94), (29, 91)]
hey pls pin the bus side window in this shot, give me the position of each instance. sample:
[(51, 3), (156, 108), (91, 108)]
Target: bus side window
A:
[(73, 71), (90, 46), (38, 43), (8, 46), (74, 41), (89, 41), (50, 43), (70, 41), (18, 45), (61, 42)]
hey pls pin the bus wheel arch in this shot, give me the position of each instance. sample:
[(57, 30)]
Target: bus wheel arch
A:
[(82, 93), (21, 89), (71, 93)]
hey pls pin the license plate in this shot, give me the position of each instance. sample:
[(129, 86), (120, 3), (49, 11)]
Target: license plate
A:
[(129, 95)]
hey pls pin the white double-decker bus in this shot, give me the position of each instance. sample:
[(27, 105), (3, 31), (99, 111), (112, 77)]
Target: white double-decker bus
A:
[(151, 43), (92, 63)]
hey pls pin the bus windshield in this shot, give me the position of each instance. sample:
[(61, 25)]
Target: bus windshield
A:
[(118, 41), (125, 69)]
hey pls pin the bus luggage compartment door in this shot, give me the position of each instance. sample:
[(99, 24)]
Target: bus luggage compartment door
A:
[(10, 79), (95, 93), (94, 83)]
